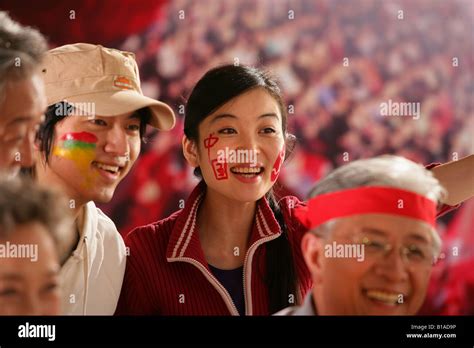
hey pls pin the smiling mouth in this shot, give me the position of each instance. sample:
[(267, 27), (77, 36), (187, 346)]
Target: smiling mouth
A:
[(112, 169), (247, 172), (386, 297)]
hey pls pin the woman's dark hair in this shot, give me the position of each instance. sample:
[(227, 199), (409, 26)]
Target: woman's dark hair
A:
[(214, 89), (55, 113)]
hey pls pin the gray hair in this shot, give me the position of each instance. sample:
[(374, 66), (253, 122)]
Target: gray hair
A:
[(21, 50), (386, 170), (23, 202)]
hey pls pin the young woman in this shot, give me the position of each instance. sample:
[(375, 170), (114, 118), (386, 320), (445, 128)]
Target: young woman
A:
[(233, 249)]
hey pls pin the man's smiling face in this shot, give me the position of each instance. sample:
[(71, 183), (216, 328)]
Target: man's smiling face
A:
[(89, 157), (391, 279)]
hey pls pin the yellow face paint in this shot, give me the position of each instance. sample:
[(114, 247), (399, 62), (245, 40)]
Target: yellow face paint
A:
[(79, 148)]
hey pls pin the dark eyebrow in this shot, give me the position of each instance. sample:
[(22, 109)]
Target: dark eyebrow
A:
[(270, 114), (221, 116), (135, 115)]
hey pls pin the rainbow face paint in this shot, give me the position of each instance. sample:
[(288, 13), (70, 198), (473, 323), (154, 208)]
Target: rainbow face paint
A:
[(219, 168), (83, 140), (79, 148), (277, 166)]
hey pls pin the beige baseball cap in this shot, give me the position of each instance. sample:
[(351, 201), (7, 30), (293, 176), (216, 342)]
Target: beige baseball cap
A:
[(108, 78)]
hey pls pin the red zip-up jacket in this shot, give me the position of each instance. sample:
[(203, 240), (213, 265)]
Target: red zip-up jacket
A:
[(167, 273)]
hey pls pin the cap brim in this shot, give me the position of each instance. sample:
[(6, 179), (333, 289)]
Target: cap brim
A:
[(121, 102)]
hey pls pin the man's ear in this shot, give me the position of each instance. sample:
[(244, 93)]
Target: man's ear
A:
[(190, 151), (312, 247)]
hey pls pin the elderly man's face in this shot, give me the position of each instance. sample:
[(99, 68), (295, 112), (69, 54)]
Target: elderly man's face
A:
[(371, 264), (21, 111)]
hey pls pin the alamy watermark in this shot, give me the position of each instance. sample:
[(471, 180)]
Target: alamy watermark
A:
[(66, 108), (28, 330), (405, 109), (21, 251), (237, 156), (345, 251)]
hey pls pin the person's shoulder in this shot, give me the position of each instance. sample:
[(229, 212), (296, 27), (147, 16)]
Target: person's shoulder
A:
[(295, 228), (104, 223), (151, 239), (288, 311), (157, 230), (287, 205), (99, 222), (107, 229)]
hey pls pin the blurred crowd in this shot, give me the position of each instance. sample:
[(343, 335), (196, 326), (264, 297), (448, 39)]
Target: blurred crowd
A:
[(337, 61)]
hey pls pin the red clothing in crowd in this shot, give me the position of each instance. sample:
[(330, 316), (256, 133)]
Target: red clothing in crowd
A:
[(167, 273)]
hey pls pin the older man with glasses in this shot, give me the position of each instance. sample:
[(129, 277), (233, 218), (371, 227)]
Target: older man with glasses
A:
[(372, 239)]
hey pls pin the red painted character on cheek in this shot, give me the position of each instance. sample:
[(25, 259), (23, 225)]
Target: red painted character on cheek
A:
[(277, 166), (219, 168)]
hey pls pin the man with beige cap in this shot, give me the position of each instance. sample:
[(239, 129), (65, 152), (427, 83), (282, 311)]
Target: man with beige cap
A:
[(90, 139)]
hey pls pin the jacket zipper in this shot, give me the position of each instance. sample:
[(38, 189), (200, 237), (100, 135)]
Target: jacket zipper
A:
[(248, 260), (86, 276), (218, 286)]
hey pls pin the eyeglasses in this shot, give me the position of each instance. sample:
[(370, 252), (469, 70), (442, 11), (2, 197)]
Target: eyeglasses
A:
[(412, 254)]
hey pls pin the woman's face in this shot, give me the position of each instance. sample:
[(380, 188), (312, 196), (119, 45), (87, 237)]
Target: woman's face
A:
[(241, 146)]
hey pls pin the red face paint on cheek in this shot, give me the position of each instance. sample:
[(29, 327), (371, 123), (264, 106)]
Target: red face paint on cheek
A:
[(277, 165), (209, 142), (84, 137), (219, 168)]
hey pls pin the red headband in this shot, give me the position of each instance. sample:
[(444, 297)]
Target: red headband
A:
[(366, 200)]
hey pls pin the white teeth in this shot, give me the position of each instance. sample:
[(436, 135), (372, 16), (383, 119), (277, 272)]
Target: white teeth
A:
[(103, 166), (387, 297), (246, 170)]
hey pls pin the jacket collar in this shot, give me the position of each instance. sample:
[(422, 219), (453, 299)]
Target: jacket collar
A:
[(90, 221), (184, 240), (307, 308), (87, 234)]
